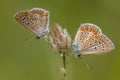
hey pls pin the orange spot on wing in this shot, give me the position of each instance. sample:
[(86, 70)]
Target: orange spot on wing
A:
[(21, 15), (82, 29), (96, 41), (90, 29), (42, 13), (86, 28), (96, 38), (95, 31), (104, 42), (45, 14), (31, 17)]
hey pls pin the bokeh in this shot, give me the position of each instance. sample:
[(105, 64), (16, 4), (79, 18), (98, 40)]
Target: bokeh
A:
[(22, 57)]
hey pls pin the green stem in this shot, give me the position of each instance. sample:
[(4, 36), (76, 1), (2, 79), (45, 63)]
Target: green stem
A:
[(64, 65)]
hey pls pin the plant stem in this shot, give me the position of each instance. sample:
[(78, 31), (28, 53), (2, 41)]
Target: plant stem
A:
[(64, 65)]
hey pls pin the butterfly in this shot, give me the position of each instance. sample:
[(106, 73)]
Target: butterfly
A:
[(36, 20), (89, 39)]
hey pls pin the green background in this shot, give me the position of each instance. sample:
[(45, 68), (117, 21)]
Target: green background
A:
[(34, 60)]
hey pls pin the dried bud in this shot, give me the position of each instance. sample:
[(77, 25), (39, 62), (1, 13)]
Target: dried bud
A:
[(60, 40)]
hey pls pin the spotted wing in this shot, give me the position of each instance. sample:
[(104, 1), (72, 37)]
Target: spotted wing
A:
[(87, 36), (36, 20), (90, 40), (104, 45)]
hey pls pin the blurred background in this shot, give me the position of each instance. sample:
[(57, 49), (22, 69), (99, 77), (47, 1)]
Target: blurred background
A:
[(34, 60)]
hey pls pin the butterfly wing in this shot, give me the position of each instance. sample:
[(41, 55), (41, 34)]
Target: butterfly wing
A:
[(36, 20), (88, 38), (104, 45)]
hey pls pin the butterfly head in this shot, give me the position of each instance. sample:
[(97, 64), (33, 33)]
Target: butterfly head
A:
[(76, 50), (43, 34)]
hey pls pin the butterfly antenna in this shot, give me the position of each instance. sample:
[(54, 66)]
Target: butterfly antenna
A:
[(86, 62)]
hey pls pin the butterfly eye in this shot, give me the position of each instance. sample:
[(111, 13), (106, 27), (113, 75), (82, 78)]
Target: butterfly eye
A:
[(78, 55)]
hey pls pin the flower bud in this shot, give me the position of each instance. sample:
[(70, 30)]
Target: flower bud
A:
[(60, 40)]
